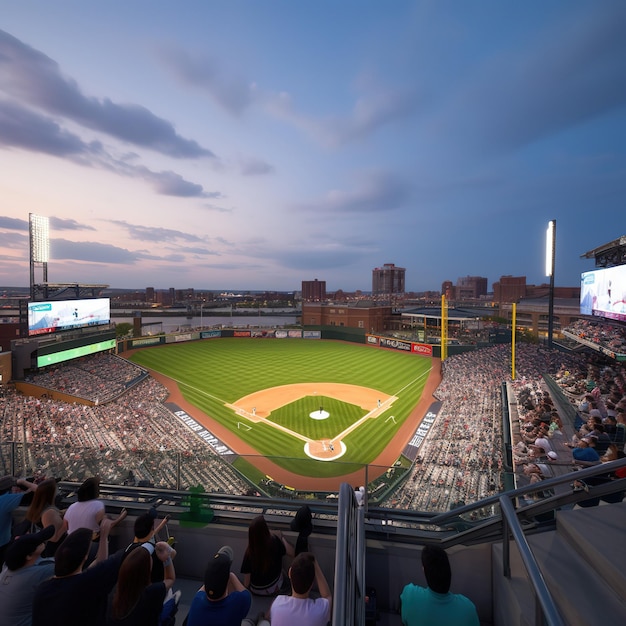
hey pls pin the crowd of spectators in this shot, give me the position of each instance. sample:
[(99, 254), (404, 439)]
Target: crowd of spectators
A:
[(133, 439), (547, 442), (99, 378), (605, 335), (461, 459)]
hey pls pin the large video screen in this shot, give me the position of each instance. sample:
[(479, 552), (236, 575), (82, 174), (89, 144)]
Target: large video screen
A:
[(603, 293), (50, 317), (74, 353)]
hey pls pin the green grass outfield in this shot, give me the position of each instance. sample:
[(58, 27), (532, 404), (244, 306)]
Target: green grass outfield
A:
[(213, 372)]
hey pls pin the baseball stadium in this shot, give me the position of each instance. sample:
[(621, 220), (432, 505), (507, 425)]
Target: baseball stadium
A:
[(389, 449)]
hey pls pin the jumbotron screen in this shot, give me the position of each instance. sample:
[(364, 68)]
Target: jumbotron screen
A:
[(74, 353), (51, 317), (603, 293)]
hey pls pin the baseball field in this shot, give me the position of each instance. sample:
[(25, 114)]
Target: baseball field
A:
[(315, 407)]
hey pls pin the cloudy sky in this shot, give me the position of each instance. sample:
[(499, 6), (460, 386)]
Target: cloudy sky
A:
[(241, 144)]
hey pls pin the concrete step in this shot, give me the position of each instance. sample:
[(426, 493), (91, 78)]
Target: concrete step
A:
[(598, 536), (574, 560)]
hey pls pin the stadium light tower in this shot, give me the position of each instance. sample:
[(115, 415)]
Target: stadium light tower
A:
[(39, 232), (550, 257)]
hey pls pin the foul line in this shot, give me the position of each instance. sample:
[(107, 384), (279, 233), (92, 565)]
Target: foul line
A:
[(201, 391), (426, 373)]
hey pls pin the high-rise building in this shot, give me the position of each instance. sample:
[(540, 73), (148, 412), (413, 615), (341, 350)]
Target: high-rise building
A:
[(509, 289), (313, 290), (471, 287), (388, 279), (447, 289)]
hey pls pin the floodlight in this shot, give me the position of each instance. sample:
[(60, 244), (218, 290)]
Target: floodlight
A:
[(39, 238)]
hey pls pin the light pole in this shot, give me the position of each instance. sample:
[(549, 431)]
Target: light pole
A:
[(550, 257), (201, 325)]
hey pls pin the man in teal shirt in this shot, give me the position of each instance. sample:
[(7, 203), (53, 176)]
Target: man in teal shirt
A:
[(435, 604)]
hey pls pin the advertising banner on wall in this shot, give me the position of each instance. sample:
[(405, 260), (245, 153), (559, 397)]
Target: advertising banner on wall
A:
[(422, 348), (396, 344), (311, 334), (182, 337), (263, 334), (147, 341)]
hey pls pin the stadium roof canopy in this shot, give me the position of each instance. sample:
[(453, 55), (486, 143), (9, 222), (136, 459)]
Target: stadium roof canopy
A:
[(609, 254), (65, 291)]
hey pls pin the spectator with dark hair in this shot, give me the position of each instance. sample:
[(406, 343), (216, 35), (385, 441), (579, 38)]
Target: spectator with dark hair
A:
[(24, 570), (222, 600), (77, 597), (9, 501), (435, 604), (41, 513), (299, 608), (88, 510), (302, 523), (138, 601), (145, 532), (262, 565)]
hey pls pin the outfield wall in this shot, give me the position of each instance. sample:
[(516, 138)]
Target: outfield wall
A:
[(352, 335)]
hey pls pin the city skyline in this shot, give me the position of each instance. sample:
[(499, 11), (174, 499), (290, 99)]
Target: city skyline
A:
[(251, 146)]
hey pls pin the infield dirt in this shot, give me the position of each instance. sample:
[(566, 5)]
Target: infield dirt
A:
[(310, 483)]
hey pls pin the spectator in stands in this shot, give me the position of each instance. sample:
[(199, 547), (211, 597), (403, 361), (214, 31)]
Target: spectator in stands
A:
[(262, 565), (9, 501), (88, 511), (299, 608), (41, 513), (145, 531), (584, 453), (541, 446), (222, 600), (602, 439), (556, 425), (302, 523), (24, 570), (137, 600), (77, 597), (435, 604)]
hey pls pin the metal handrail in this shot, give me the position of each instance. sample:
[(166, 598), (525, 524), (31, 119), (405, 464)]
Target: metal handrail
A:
[(542, 593), (349, 578)]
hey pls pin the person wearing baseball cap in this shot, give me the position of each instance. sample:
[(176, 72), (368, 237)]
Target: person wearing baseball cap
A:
[(77, 596), (584, 453), (24, 570), (222, 600)]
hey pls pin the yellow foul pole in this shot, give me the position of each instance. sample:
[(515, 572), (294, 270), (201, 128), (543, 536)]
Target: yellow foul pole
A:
[(444, 329), (513, 327)]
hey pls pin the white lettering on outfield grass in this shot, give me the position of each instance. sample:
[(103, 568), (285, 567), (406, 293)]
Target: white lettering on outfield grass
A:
[(203, 433)]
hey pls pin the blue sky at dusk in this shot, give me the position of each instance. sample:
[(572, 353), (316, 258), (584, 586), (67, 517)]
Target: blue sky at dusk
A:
[(243, 144)]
